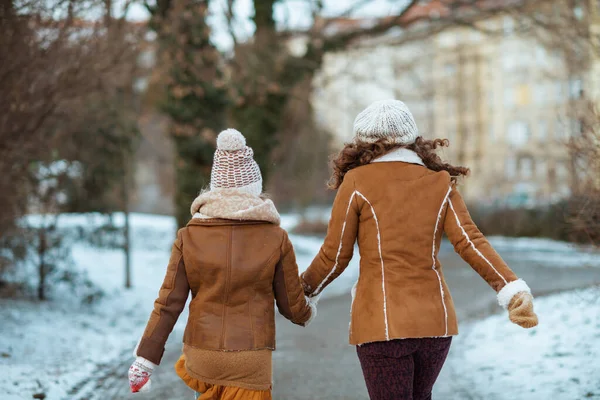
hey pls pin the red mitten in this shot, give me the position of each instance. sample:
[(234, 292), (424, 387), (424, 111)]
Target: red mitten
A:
[(139, 375)]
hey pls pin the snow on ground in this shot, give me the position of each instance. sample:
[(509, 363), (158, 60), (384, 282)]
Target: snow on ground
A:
[(307, 247), (493, 359), (53, 346), (547, 252)]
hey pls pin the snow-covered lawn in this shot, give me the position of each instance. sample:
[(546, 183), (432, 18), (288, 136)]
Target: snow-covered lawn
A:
[(493, 359), (547, 252), (54, 346)]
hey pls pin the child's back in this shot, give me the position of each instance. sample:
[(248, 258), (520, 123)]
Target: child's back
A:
[(237, 262)]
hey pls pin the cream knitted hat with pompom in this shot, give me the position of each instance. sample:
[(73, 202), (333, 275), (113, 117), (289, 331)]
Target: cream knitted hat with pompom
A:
[(234, 166), (386, 119)]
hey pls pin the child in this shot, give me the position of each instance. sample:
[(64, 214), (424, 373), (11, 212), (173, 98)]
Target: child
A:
[(236, 261), (397, 197)]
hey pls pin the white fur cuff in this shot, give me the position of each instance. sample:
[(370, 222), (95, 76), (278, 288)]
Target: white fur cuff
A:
[(506, 294), (312, 303), (147, 364)]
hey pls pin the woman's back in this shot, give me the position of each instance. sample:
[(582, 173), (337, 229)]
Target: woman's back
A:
[(406, 198), (394, 202), (398, 209)]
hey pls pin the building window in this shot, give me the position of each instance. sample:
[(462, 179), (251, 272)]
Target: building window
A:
[(558, 91), (542, 130), (449, 69), (577, 127), (578, 12), (491, 131), (451, 107), (451, 135), (510, 168), (518, 133), (541, 56), (541, 169), (575, 88), (523, 95), (526, 167), (509, 61), (562, 171), (561, 132), (540, 93), (509, 97)]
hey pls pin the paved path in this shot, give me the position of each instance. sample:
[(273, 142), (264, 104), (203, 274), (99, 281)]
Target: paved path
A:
[(317, 362)]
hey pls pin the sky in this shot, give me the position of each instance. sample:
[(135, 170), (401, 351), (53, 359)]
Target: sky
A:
[(294, 14)]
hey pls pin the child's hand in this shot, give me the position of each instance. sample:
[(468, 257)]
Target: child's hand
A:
[(139, 375), (520, 310)]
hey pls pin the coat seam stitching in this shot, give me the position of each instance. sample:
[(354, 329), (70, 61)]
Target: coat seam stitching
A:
[(437, 222), (335, 265), (385, 316), (473, 244)]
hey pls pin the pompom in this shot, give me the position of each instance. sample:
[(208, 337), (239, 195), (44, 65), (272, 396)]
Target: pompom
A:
[(231, 140)]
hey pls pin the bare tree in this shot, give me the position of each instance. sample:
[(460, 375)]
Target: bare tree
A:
[(55, 65), (585, 152)]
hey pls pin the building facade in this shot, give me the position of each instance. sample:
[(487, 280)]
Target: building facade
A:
[(507, 102)]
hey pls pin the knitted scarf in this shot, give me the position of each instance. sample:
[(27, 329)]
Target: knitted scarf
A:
[(235, 205)]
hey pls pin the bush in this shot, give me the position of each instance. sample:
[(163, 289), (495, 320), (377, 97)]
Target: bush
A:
[(559, 221)]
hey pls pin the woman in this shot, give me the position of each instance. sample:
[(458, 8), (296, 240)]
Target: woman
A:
[(397, 197), (236, 261)]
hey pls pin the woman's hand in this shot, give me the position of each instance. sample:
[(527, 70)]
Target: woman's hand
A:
[(520, 310), (139, 375)]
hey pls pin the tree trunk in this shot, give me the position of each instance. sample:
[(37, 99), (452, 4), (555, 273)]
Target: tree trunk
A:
[(126, 242), (198, 115), (42, 248), (6, 9), (264, 21)]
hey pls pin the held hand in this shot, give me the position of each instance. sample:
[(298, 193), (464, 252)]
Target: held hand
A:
[(139, 375), (520, 310)]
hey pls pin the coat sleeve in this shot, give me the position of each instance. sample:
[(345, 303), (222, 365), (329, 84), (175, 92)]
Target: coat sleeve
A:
[(475, 249), (289, 295), (171, 300), (337, 250)]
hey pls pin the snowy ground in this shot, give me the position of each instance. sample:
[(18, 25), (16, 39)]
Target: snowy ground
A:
[(559, 359), (547, 252), (54, 346), (58, 348)]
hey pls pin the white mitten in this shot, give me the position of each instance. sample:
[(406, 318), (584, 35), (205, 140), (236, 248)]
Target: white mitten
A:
[(139, 375)]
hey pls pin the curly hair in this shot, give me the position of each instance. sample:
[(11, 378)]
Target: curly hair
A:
[(356, 154)]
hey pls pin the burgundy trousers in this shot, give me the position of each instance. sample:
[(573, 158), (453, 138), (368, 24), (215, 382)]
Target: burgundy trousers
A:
[(403, 369)]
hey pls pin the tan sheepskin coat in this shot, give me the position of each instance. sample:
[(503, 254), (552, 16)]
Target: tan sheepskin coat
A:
[(398, 210)]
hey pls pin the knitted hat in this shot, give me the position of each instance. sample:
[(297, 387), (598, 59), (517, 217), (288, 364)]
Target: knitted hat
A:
[(386, 119), (234, 166)]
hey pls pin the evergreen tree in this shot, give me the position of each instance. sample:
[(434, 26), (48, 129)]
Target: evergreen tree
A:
[(196, 97)]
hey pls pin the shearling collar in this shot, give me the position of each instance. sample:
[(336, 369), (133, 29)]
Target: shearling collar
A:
[(234, 205), (401, 154)]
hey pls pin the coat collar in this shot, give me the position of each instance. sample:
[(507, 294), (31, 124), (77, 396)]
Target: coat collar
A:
[(233, 204), (402, 155)]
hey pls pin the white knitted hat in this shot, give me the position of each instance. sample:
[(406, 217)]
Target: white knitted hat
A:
[(386, 119), (234, 166)]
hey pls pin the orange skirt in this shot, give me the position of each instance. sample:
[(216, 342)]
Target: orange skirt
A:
[(216, 392)]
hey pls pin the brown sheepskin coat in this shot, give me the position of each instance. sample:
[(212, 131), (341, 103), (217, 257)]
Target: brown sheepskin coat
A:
[(398, 210)]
